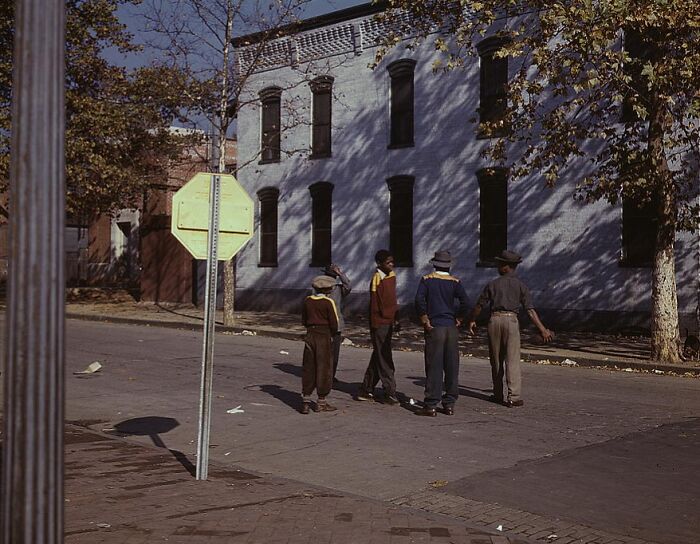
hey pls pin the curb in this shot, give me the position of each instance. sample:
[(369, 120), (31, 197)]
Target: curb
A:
[(611, 364)]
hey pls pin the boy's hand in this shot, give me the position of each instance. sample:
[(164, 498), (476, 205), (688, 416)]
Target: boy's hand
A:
[(547, 335)]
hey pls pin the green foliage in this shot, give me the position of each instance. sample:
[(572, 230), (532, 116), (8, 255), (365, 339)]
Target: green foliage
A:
[(117, 141), (570, 73)]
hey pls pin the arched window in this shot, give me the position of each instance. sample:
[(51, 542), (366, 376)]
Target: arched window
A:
[(268, 226), (270, 101), (321, 223), (401, 219), (321, 89), (401, 73)]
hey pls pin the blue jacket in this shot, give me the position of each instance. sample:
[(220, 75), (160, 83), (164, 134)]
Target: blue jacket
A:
[(436, 296)]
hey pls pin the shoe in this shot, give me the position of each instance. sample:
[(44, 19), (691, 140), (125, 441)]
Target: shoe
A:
[(448, 410), (305, 408), (513, 403), (391, 400), (361, 395), (324, 407), (429, 412)]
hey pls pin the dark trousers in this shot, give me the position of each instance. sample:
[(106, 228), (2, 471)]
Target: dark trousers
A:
[(336, 340), (317, 372), (381, 364), (441, 366), (504, 354)]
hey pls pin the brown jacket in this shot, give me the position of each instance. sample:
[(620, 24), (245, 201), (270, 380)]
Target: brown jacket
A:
[(382, 300), (320, 310)]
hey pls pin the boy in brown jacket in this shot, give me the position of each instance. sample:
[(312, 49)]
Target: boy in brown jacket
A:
[(320, 317), (382, 322)]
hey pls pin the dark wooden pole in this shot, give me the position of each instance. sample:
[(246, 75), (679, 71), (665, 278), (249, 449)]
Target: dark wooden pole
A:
[(32, 467)]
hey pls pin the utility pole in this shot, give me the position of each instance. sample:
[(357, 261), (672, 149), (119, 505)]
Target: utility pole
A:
[(32, 466)]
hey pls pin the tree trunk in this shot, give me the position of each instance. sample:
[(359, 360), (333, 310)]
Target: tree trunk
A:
[(229, 292), (224, 121), (665, 338)]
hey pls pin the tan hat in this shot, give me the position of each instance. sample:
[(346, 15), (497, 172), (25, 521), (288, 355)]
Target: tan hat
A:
[(323, 282)]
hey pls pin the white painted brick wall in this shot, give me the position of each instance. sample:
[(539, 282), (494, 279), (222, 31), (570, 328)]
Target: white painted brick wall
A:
[(571, 250)]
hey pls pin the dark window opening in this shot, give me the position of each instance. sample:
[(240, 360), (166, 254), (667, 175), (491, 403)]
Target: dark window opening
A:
[(271, 100), (493, 213), (321, 223), (321, 88), (640, 48), (493, 87), (268, 226), (639, 228), (401, 73), (401, 219)]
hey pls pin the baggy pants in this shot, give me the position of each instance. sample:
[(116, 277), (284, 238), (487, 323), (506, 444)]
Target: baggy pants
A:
[(504, 354), (336, 341), (441, 359), (381, 363), (317, 371)]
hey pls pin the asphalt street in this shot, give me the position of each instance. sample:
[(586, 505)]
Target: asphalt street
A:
[(616, 451)]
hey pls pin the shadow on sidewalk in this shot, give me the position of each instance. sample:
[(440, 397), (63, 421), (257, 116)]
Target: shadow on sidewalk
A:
[(153, 427), (290, 398)]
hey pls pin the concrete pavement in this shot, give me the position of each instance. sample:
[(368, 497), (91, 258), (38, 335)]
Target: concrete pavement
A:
[(615, 351), (122, 493), (457, 467)]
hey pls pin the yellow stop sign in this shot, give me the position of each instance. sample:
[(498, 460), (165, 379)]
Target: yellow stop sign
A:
[(190, 216)]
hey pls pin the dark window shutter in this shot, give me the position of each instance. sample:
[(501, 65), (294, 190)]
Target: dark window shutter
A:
[(321, 131), (402, 103), (321, 223), (640, 49), (271, 122), (268, 226), (639, 229), (493, 213), (493, 84), (401, 219)]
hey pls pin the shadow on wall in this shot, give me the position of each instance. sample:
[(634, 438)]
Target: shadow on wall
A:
[(571, 251)]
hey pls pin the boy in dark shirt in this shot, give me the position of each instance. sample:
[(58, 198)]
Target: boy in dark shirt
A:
[(320, 317), (435, 306), (505, 295)]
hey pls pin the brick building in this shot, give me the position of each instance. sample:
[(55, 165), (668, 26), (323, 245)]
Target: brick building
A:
[(135, 249), (345, 159)]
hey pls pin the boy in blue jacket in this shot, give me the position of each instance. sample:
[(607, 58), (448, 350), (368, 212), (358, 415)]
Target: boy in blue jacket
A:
[(435, 305)]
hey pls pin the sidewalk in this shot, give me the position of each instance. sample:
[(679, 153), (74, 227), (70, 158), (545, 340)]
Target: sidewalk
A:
[(628, 353), (118, 492)]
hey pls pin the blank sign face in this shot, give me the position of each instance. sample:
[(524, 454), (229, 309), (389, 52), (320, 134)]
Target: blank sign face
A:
[(190, 221)]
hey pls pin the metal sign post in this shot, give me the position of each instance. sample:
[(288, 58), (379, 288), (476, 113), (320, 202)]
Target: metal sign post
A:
[(209, 322)]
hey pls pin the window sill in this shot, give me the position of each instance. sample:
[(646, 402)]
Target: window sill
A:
[(484, 134), (401, 146), (268, 161), (626, 263), (320, 156), (267, 265)]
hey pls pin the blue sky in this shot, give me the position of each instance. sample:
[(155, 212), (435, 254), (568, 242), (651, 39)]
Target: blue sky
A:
[(129, 16)]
